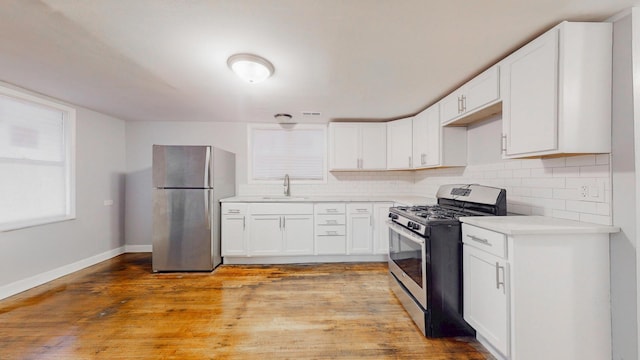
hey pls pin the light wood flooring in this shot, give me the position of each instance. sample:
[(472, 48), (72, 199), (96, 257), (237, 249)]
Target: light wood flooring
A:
[(119, 309)]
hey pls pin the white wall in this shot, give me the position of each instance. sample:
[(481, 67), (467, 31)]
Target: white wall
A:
[(623, 244), (33, 255)]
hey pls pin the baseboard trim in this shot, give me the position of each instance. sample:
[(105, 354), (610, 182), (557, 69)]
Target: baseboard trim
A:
[(137, 248), (39, 279)]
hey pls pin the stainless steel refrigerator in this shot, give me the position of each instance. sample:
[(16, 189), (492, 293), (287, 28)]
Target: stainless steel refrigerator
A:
[(188, 183)]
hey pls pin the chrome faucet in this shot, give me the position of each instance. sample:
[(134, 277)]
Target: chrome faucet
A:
[(287, 189)]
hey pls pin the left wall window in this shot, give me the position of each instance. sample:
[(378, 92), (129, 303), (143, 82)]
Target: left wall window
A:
[(37, 160)]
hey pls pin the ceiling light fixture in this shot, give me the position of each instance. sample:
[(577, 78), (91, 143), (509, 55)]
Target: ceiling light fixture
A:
[(250, 68)]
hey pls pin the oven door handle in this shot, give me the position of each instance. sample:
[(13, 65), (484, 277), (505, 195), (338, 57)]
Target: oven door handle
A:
[(406, 233)]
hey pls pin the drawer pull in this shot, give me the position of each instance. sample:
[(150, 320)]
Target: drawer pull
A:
[(332, 210), (234, 211), (480, 240), (332, 222)]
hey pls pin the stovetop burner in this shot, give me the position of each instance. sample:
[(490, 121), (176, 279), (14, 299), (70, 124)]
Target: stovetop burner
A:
[(426, 213)]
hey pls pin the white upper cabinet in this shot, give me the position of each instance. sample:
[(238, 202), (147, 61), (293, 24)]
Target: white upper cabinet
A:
[(556, 93), (477, 99), (399, 144), (357, 146), (434, 145)]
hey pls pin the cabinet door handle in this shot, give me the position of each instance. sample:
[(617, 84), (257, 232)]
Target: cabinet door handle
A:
[(459, 104), (410, 162), (503, 144), (498, 282), (464, 103), (244, 223), (423, 159), (284, 222), (480, 240)]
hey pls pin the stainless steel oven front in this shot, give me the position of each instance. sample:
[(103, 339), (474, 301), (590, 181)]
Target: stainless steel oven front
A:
[(407, 261)]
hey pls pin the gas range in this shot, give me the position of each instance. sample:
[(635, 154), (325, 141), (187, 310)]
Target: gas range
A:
[(454, 201), (425, 255), (416, 218)]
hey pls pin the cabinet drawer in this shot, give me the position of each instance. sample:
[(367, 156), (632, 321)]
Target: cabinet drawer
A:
[(330, 220), (330, 230), (486, 240), (360, 208), (281, 209), (331, 245), (234, 208), (330, 208)]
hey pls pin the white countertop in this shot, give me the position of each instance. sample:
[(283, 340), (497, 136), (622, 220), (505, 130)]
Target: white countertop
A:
[(531, 225), (402, 199)]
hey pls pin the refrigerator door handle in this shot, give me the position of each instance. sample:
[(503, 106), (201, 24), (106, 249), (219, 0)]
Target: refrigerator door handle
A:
[(207, 201), (207, 167)]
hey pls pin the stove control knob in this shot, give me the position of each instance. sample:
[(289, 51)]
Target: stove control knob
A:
[(410, 224), (393, 216), (416, 226)]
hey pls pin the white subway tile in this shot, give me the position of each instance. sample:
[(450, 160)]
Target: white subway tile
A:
[(596, 219), (583, 160), (519, 191), (521, 173), (541, 211), (568, 215), (505, 174), (582, 206), (602, 159), (541, 172), (542, 193), (513, 182), (519, 209), (554, 162), (603, 209), (566, 194), (594, 171), (544, 182), (512, 164), (566, 172)]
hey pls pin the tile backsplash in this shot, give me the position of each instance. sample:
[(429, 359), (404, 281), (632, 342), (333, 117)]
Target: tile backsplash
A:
[(575, 188)]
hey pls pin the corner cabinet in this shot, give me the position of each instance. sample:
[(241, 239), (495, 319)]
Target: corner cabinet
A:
[(435, 145), (556, 93), (399, 144), (357, 146), (478, 98), (537, 288)]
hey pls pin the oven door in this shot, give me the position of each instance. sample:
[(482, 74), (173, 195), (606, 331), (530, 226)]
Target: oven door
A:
[(407, 261)]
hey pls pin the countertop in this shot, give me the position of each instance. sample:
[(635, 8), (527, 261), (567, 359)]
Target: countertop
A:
[(532, 225), (403, 199)]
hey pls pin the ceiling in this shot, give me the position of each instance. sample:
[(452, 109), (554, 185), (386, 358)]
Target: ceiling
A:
[(165, 60)]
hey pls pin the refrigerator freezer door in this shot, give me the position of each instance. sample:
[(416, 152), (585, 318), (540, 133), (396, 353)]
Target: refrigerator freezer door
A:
[(182, 231), (181, 166)]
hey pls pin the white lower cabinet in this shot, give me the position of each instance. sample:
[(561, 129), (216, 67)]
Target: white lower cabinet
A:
[(264, 230), (360, 228), (281, 229), (380, 228), (485, 296), (234, 232), (540, 294), (330, 229), (266, 235)]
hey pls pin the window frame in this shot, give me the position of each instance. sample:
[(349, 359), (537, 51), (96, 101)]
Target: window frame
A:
[(290, 127), (69, 140)]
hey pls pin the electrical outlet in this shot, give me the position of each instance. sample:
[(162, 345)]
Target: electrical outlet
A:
[(591, 190)]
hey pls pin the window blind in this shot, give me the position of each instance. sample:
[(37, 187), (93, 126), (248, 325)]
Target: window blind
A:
[(35, 184), (297, 152)]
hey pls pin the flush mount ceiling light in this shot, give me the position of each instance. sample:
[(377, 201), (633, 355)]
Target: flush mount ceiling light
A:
[(250, 68)]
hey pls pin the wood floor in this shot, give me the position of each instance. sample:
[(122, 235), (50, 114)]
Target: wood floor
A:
[(119, 309)]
